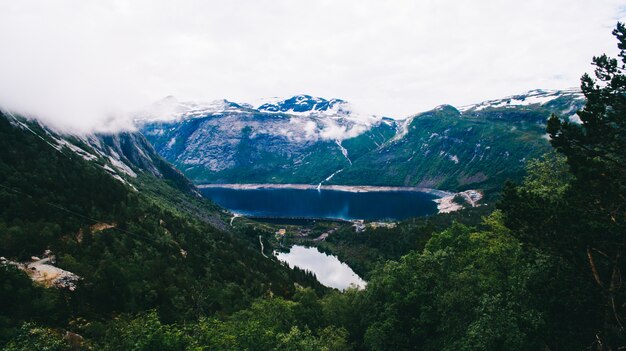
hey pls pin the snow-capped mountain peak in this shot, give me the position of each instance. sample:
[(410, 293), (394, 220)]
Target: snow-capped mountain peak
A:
[(290, 139), (304, 104), (300, 117), (532, 97)]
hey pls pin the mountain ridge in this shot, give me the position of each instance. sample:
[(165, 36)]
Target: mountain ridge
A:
[(305, 139), (126, 228), (124, 155)]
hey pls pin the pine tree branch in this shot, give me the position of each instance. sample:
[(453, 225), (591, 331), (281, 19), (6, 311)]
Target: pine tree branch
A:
[(594, 270)]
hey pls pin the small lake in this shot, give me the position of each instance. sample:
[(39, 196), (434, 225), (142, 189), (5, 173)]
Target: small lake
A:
[(331, 204), (328, 269)]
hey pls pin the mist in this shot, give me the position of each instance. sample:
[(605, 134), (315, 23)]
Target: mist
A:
[(87, 66)]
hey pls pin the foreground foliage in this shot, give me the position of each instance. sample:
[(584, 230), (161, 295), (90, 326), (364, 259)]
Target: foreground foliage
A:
[(542, 272)]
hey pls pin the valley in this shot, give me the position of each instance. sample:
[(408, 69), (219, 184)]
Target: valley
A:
[(306, 158), (320, 176), (264, 229)]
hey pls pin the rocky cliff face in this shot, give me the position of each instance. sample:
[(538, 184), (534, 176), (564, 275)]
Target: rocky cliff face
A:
[(300, 139), (124, 155), (305, 139)]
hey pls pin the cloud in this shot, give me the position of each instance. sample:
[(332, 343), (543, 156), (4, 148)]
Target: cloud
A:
[(84, 65)]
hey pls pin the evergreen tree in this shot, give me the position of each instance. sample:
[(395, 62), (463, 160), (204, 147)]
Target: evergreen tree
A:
[(581, 216), (596, 153)]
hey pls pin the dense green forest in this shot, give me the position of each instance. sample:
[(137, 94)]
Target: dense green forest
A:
[(541, 271), (153, 249)]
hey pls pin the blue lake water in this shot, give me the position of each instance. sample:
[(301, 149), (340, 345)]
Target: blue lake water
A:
[(335, 204)]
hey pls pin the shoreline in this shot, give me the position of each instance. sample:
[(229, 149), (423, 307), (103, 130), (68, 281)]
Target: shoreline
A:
[(446, 204), (346, 188)]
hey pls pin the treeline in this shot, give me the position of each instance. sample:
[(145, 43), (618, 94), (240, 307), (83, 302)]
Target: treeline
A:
[(541, 272), (154, 249), (366, 250)]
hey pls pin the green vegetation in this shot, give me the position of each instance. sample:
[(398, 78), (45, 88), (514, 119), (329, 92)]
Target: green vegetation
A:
[(445, 149), (272, 167), (157, 248), (541, 272), (364, 251)]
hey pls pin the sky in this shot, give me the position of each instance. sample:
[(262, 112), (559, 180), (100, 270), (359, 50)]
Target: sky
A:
[(88, 65)]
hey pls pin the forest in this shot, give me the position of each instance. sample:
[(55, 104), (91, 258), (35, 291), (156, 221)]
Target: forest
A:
[(541, 271)]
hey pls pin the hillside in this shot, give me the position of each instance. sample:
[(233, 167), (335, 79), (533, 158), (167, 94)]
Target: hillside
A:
[(292, 141), (130, 227), (309, 140)]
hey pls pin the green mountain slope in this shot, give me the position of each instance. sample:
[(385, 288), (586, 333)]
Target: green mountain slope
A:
[(137, 243), (444, 149), (474, 146)]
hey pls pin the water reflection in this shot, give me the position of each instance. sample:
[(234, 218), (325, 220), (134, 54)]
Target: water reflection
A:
[(328, 269)]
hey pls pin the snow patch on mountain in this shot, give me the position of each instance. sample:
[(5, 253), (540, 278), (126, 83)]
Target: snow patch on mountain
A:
[(300, 118), (533, 97), (303, 104)]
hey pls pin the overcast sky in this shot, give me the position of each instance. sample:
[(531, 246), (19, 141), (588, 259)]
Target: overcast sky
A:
[(77, 63)]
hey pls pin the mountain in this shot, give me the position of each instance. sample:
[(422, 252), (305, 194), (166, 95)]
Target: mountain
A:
[(477, 145), (127, 228), (305, 139), (124, 155), (305, 104), (300, 139)]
